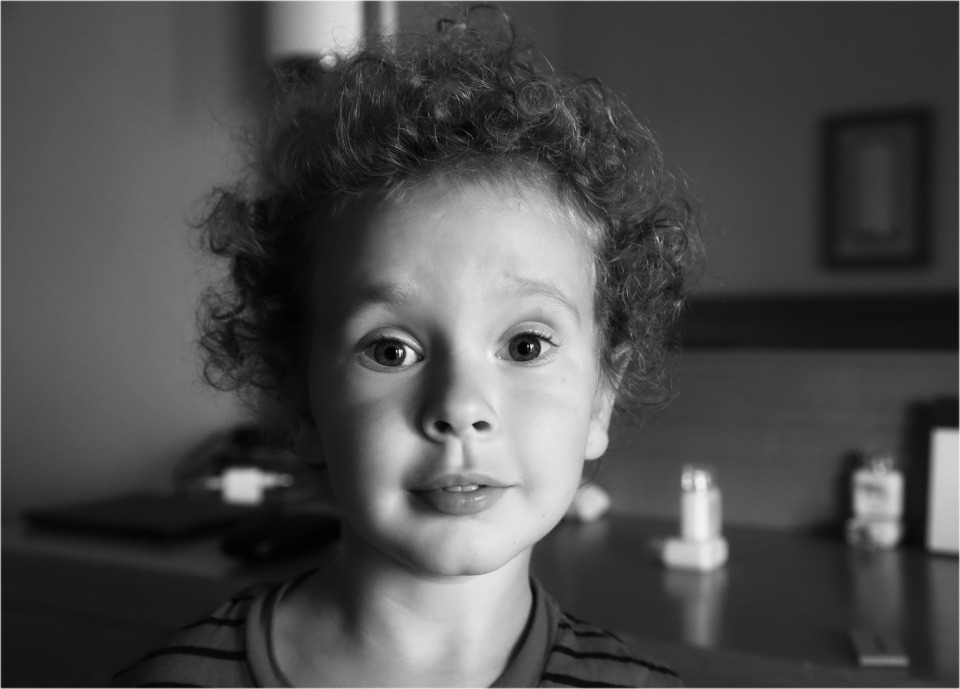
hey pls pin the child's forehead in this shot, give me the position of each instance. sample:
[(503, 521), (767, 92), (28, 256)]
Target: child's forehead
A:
[(523, 193), (497, 234), (478, 215)]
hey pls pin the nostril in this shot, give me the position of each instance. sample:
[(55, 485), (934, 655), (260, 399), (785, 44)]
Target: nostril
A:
[(446, 428)]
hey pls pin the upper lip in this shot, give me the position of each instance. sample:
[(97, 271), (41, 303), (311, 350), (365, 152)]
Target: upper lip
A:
[(447, 480)]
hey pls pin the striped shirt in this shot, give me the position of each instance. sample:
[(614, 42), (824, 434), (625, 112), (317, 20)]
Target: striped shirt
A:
[(233, 647)]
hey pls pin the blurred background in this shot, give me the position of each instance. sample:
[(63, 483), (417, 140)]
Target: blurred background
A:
[(119, 117)]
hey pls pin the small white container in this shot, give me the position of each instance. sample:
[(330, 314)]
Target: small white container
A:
[(878, 488), (700, 507), (877, 498), (703, 556), (700, 546)]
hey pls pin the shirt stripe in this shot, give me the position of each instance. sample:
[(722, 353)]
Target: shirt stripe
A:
[(214, 652), (202, 651), (617, 658), (217, 622), (570, 681)]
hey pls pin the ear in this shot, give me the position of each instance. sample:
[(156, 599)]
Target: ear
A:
[(598, 437)]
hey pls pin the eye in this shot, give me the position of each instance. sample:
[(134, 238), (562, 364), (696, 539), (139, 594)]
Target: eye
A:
[(524, 347), (529, 346), (390, 353)]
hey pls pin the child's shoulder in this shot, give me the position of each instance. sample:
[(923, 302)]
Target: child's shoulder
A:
[(210, 652), (584, 654)]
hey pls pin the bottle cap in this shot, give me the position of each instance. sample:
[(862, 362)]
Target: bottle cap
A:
[(696, 479), (879, 462)]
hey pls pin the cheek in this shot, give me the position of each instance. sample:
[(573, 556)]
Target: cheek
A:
[(353, 432), (550, 424), (362, 448), (358, 430)]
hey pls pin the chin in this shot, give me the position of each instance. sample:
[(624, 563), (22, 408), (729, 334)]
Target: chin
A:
[(463, 559)]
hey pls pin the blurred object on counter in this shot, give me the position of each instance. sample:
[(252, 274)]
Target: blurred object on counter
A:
[(249, 465), (700, 545), (877, 499), (141, 515), (246, 485), (589, 504), (943, 512), (878, 650)]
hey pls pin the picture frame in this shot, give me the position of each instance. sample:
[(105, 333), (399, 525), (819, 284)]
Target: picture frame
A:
[(877, 189)]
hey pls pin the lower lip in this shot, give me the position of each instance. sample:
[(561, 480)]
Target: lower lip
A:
[(457, 504)]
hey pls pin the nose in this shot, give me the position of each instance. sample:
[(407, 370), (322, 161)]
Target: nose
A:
[(458, 404)]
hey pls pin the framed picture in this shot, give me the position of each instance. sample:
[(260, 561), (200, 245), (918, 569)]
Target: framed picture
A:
[(876, 197)]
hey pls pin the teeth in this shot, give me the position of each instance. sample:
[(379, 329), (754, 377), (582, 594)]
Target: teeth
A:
[(461, 489)]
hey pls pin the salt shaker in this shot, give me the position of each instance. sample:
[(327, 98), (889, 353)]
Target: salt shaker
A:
[(700, 545), (700, 510)]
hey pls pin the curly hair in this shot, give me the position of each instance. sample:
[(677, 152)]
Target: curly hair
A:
[(475, 99)]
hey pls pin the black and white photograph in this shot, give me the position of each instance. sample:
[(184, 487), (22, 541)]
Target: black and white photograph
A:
[(406, 343)]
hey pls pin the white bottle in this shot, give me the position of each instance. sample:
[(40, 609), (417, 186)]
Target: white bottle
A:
[(700, 545), (700, 509), (877, 497)]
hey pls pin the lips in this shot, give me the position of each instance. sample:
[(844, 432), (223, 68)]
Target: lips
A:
[(458, 495)]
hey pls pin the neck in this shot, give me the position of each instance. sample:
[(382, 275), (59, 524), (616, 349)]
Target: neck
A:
[(446, 629), (449, 615)]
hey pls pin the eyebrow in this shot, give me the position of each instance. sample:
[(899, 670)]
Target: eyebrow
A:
[(383, 294), (368, 296), (527, 287)]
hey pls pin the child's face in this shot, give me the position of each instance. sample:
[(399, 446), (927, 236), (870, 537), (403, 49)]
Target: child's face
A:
[(453, 376)]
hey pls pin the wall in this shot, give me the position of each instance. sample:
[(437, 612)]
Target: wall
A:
[(541, 22), (736, 92), (110, 138), (778, 426)]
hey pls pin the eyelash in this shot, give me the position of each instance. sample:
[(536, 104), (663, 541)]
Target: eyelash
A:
[(543, 337), (381, 338), (540, 335)]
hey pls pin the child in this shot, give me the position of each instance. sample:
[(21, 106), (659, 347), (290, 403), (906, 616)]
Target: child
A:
[(453, 267)]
